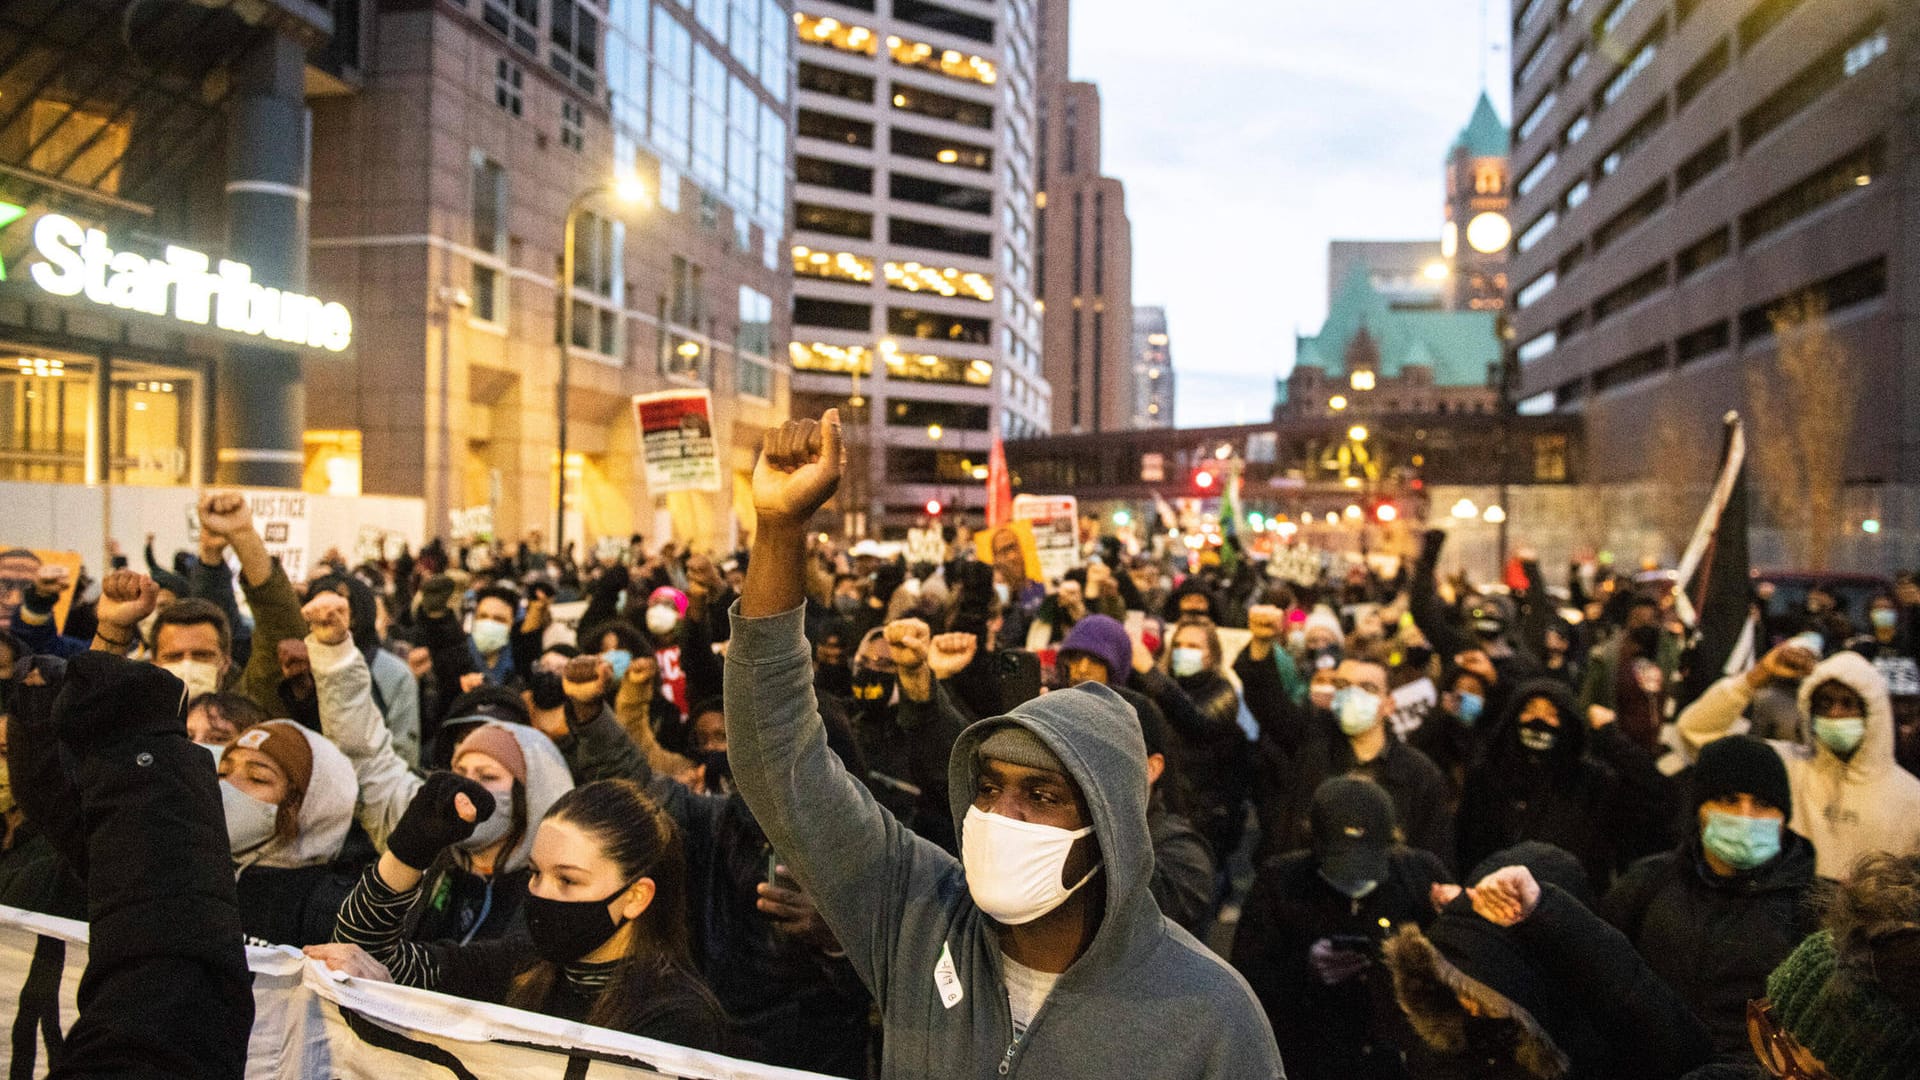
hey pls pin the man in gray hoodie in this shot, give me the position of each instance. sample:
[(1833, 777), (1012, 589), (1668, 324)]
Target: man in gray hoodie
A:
[(1040, 952)]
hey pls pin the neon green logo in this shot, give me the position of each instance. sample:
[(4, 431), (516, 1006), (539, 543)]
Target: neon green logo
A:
[(9, 213)]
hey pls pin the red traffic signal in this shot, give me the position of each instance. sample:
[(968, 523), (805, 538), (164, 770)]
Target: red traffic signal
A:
[(1386, 511), (1203, 479), (933, 507)]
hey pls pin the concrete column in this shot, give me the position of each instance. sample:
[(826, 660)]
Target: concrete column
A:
[(260, 413)]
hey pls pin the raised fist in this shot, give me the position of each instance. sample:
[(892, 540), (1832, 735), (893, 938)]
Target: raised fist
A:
[(951, 653), (225, 513), (585, 679), (1264, 621), (126, 598), (798, 470), (327, 617), (908, 640), (50, 581)]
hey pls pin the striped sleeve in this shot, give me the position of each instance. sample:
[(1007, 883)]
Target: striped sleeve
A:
[(373, 917)]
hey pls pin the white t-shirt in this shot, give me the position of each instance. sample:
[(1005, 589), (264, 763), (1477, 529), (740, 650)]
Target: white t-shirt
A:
[(1027, 990)]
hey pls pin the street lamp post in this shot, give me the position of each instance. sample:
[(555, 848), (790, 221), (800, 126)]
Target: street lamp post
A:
[(627, 190)]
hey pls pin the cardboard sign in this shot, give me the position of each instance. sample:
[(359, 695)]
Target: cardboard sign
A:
[(676, 440), (473, 523), (280, 517), (1022, 532), (1056, 530), (18, 568), (926, 546)]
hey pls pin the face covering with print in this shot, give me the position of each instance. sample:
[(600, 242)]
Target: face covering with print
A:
[(1471, 706), (1357, 710), (1014, 867), (490, 636), (1187, 663), (566, 930), (1538, 735), (200, 676), (493, 830), (619, 660), (1841, 734), (1741, 842), (250, 822), (872, 690), (661, 619)]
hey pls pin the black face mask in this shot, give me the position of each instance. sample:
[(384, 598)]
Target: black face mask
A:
[(872, 691), (834, 679), (719, 773), (1538, 736), (566, 930)]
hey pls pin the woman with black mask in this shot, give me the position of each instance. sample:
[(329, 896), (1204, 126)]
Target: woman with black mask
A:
[(606, 938)]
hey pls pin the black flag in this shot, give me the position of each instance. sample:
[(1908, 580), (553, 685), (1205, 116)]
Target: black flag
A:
[(1713, 581)]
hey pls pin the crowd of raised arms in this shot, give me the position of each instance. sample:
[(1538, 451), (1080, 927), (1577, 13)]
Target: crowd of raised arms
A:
[(813, 805)]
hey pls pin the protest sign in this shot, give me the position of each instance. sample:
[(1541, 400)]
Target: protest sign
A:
[(1056, 531), (926, 546), (280, 517), (676, 439), (309, 1022), (1022, 532)]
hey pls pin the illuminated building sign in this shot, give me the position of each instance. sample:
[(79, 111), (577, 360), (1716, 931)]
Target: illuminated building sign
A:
[(184, 284)]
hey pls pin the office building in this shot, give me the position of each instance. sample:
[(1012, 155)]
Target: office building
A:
[(913, 247), (1685, 169), (440, 193), (1152, 369), (1086, 250), (154, 296)]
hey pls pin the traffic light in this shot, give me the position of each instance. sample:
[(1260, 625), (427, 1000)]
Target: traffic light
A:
[(1386, 512), (933, 507), (1203, 479)]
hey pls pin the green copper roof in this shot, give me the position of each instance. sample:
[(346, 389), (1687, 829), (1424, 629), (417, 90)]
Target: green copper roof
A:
[(1457, 345), (1484, 135)]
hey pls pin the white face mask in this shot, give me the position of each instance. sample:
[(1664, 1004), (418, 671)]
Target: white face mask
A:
[(1014, 867), (1357, 709), (1004, 592), (250, 822), (489, 636), (493, 830), (661, 619), (200, 676), (1188, 662)]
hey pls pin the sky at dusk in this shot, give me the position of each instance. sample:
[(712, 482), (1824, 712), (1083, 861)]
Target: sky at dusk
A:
[(1251, 132)]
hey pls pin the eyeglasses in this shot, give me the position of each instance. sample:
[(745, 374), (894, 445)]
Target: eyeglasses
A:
[(1774, 1047)]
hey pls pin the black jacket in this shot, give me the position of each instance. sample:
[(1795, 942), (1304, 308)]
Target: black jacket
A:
[(1182, 881), (293, 905), (1221, 791), (1595, 794), (1713, 939), (1351, 1030), (1571, 986), (1292, 765)]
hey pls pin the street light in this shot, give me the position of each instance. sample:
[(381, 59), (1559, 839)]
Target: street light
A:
[(1357, 433), (629, 191)]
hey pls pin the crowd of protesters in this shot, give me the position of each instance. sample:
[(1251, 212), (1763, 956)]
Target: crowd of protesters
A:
[(820, 807)]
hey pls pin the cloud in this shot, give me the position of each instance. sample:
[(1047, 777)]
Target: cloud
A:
[(1249, 134)]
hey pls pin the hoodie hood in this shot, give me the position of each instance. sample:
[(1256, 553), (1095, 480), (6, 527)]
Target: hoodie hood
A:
[(1103, 638), (1096, 735), (1874, 757), (547, 779), (1570, 740), (326, 808)]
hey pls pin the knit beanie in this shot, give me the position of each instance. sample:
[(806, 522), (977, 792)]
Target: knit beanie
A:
[(1848, 1022), (1016, 745), (282, 741), (1105, 639), (498, 743), (667, 594), (1742, 765)]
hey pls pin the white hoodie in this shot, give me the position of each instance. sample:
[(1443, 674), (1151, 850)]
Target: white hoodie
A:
[(326, 809), (1846, 808)]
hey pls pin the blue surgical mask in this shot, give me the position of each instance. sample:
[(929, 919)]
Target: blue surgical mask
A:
[(1357, 710), (1741, 842), (1471, 706), (620, 659), (1187, 662), (1841, 734)]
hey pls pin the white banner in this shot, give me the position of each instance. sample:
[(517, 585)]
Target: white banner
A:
[(309, 1022)]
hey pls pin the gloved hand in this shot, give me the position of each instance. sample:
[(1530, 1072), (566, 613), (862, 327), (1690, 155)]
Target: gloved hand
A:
[(432, 823), (435, 593), (1430, 545)]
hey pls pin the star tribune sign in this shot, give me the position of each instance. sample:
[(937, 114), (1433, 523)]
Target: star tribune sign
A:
[(184, 284)]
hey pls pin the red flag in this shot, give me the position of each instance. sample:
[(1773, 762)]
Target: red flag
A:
[(999, 487)]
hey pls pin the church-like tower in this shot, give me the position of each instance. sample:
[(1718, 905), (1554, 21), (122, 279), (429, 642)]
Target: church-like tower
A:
[(1478, 234)]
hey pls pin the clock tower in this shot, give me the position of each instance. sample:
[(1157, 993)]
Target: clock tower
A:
[(1477, 234)]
